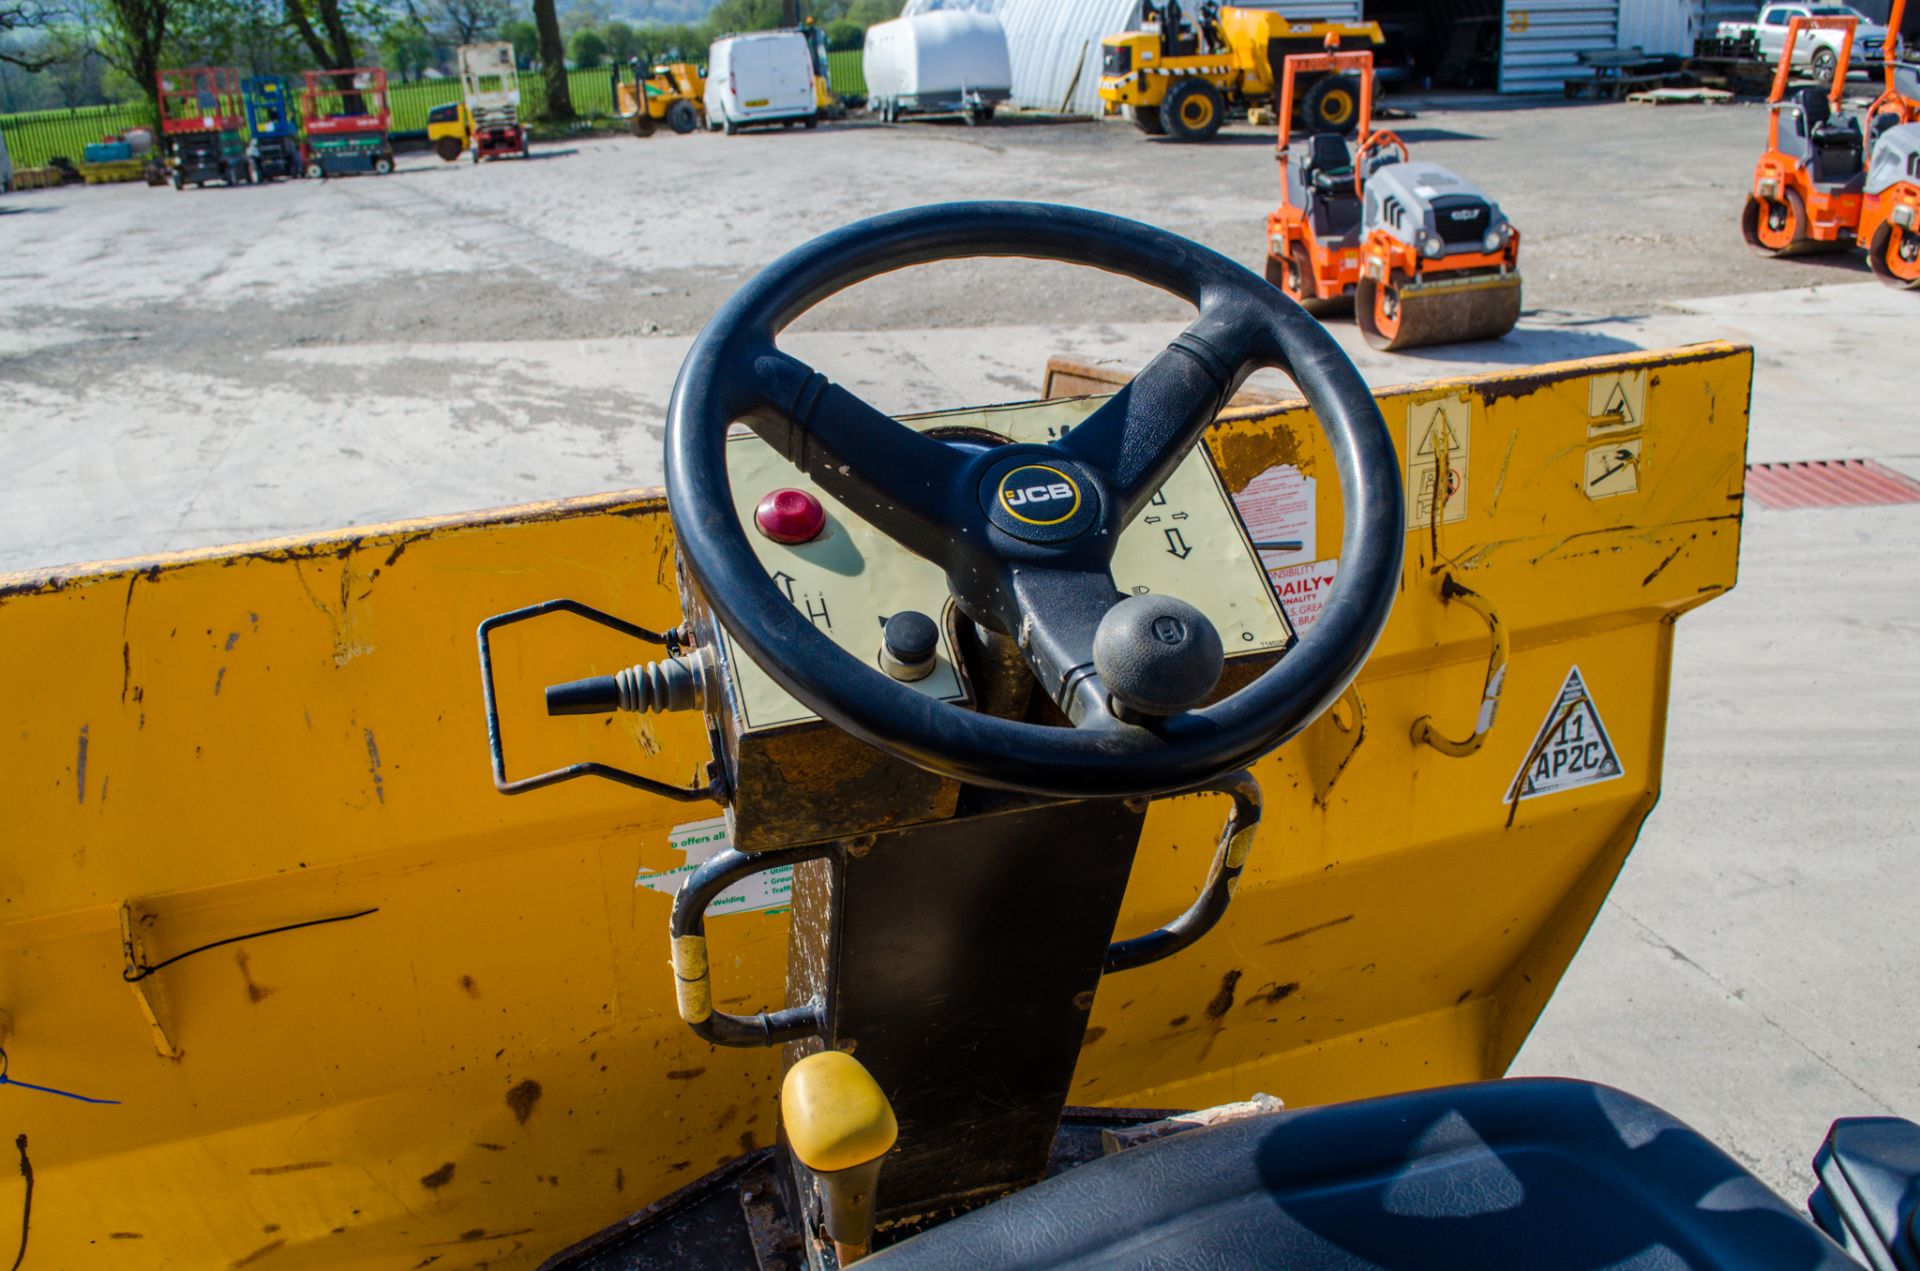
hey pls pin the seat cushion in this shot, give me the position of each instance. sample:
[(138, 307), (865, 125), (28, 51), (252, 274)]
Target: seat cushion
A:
[(1540, 1174)]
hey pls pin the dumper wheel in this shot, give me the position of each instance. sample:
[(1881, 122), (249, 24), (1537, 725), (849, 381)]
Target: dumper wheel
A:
[(448, 148), (1146, 119), (683, 117), (1895, 257), (1776, 227), (1333, 105), (1193, 111)]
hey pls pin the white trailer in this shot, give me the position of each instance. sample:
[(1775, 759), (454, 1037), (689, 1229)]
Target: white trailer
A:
[(945, 60)]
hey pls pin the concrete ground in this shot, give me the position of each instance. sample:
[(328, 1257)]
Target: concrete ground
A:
[(185, 369)]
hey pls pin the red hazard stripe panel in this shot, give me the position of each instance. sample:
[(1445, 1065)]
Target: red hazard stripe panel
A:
[(1828, 483)]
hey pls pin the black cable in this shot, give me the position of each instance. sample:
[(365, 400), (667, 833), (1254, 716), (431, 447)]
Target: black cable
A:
[(133, 974), (26, 1210)]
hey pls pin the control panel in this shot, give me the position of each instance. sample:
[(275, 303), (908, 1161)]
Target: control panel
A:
[(872, 597)]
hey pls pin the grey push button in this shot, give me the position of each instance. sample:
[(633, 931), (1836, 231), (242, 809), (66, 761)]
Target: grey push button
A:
[(908, 645)]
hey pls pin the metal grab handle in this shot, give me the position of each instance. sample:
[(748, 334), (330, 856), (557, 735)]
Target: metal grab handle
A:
[(1223, 877), (692, 977), (1424, 729), (568, 773)]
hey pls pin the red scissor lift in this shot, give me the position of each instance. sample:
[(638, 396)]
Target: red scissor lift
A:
[(203, 123), (348, 122)]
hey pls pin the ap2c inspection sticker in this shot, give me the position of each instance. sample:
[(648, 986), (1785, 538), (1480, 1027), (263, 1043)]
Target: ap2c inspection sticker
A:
[(1572, 748)]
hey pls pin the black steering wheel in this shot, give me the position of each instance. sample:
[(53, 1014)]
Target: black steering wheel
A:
[(1026, 533)]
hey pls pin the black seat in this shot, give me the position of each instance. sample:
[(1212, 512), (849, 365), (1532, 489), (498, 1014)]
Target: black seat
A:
[(1327, 169), (1839, 151), (1540, 1174), (1329, 166)]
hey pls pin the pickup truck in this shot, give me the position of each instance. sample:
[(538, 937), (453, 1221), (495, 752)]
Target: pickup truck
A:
[(1817, 50)]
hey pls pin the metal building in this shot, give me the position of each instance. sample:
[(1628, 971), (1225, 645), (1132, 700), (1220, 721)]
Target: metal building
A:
[(1541, 40), (1054, 45)]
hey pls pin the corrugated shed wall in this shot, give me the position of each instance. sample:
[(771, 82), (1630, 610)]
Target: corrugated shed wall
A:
[(1541, 41), (1659, 26), (1054, 45), (1054, 48)]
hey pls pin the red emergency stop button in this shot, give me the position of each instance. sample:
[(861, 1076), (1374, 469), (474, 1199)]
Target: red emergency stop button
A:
[(790, 516)]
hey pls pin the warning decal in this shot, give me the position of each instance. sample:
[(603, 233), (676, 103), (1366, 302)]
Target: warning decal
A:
[(1437, 431), (1572, 748), (766, 892), (1616, 402)]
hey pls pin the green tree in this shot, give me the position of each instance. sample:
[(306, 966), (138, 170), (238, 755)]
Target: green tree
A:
[(525, 40), (587, 49), (321, 26), (744, 15), (844, 33), (868, 12), (23, 18), (553, 62), (406, 50), (623, 42), (468, 21), (672, 44), (132, 35)]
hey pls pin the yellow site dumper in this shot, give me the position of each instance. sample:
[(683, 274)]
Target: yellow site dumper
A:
[(1183, 79), (898, 810)]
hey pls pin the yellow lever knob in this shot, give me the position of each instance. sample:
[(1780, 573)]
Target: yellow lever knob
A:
[(836, 1115)]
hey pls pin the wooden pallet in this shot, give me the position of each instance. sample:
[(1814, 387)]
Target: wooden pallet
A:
[(1681, 96), (115, 171)]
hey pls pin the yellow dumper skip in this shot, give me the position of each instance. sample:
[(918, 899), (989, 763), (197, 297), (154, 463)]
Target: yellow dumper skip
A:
[(409, 1018)]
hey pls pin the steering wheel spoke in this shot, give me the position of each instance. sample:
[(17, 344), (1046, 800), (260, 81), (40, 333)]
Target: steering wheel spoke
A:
[(900, 481), (1059, 649), (1141, 434)]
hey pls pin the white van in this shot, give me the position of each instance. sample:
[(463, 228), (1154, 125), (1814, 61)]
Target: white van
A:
[(765, 77)]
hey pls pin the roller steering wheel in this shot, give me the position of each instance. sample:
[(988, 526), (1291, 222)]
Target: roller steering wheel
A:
[(1043, 578), (1375, 141)]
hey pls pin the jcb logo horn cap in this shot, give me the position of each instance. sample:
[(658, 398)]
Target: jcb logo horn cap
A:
[(1038, 497)]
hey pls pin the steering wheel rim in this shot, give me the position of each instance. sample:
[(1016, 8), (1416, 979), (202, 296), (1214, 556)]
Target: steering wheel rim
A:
[(1374, 141), (734, 373)]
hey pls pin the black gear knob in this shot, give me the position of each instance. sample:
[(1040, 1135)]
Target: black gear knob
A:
[(1157, 655)]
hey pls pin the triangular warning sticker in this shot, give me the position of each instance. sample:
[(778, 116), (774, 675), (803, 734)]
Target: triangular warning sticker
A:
[(1439, 436), (1572, 748), (1617, 403)]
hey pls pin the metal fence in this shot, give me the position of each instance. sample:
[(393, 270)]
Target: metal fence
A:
[(34, 138), (846, 73)]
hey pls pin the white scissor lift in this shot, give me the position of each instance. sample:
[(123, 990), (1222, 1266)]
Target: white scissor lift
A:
[(491, 88)]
